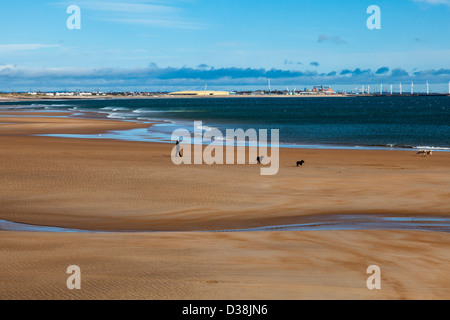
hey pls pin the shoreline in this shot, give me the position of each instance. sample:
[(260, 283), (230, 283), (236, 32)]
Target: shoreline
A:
[(162, 96), (139, 132), (322, 223)]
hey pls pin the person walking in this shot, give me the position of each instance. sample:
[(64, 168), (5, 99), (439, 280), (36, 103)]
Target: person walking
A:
[(178, 151)]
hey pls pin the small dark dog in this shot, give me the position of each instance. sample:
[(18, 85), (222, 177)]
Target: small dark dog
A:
[(300, 163)]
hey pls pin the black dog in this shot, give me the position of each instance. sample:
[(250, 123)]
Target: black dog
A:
[(300, 163)]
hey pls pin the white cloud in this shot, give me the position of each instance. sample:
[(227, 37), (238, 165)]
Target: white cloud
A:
[(163, 14), (25, 47), (163, 23), (7, 67), (435, 2), (127, 7)]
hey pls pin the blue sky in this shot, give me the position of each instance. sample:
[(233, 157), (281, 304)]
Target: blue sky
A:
[(177, 43)]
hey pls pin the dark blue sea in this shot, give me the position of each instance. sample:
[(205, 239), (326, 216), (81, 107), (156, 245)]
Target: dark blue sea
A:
[(353, 122)]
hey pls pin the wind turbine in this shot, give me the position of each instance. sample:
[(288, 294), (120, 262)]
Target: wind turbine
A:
[(428, 88), (288, 91), (401, 89), (412, 88)]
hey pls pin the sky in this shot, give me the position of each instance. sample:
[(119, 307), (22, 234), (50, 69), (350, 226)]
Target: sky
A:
[(177, 44)]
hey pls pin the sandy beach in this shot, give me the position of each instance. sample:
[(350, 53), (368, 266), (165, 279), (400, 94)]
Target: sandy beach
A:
[(108, 185)]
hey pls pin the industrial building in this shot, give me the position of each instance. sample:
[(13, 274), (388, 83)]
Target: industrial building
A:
[(200, 93)]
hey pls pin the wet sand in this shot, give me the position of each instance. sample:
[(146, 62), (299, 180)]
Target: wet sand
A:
[(99, 184)]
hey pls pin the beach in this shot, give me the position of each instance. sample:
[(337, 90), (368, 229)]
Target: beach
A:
[(159, 219)]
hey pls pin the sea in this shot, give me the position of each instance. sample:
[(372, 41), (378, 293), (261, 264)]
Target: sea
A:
[(418, 122)]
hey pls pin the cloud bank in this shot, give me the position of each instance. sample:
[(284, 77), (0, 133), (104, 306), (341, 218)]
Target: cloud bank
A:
[(21, 78), (334, 39)]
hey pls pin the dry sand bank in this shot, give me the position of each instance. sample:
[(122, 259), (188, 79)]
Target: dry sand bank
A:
[(261, 265)]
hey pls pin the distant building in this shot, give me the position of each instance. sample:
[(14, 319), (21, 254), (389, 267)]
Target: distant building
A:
[(200, 93), (323, 90)]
